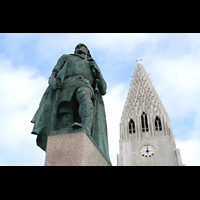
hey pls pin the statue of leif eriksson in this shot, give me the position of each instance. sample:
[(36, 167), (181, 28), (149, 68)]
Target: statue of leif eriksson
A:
[(74, 100)]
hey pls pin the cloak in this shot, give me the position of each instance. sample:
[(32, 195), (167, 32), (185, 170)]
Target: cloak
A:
[(44, 119)]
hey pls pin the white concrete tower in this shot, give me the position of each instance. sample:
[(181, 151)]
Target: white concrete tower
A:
[(146, 137)]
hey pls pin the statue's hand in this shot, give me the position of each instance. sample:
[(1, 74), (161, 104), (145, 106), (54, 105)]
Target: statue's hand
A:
[(59, 84), (55, 83)]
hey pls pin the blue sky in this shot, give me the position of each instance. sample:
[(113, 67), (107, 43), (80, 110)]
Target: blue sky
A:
[(26, 62)]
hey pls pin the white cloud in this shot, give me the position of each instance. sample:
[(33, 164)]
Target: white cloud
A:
[(178, 83), (118, 45), (114, 103), (189, 151), (20, 91)]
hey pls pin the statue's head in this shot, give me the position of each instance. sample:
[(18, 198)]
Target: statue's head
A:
[(82, 49)]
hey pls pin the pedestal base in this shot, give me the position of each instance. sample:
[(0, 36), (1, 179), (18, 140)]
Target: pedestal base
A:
[(75, 149)]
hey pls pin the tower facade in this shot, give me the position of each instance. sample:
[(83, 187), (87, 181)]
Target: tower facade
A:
[(146, 137)]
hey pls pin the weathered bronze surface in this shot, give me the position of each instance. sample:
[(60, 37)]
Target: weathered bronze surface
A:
[(73, 100)]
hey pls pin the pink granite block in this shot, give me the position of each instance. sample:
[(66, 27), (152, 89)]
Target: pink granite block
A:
[(75, 149)]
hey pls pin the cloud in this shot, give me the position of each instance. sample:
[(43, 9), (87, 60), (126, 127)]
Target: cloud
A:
[(177, 81), (118, 45), (189, 151), (114, 103), (20, 91)]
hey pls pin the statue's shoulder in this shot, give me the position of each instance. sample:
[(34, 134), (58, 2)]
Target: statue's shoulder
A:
[(61, 61), (63, 57)]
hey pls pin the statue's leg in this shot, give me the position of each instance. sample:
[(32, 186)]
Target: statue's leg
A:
[(84, 99), (65, 115)]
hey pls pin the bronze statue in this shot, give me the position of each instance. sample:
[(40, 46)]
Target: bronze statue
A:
[(73, 100)]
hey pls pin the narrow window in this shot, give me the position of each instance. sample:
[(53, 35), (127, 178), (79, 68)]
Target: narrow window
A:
[(131, 126), (158, 125), (142, 118), (144, 122)]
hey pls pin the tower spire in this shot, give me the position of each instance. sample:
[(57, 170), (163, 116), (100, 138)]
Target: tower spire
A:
[(145, 121)]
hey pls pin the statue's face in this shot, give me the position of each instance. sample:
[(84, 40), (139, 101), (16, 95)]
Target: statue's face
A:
[(81, 50)]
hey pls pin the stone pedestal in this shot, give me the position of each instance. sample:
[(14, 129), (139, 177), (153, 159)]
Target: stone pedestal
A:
[(73, 149)]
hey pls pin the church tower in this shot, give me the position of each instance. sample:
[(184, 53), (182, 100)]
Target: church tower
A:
[(146, 137)]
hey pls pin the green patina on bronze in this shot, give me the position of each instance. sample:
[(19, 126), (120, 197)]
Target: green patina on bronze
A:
[(73, 100)]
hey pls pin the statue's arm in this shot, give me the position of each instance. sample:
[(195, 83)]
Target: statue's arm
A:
[(53, 82)]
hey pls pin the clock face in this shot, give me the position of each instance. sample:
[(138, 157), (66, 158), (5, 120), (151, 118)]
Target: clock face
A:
[(147, 151)]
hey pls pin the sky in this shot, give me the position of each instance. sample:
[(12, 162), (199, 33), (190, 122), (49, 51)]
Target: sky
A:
[(172, 61)]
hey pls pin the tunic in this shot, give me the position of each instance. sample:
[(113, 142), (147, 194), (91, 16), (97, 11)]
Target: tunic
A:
[(75, 73)]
